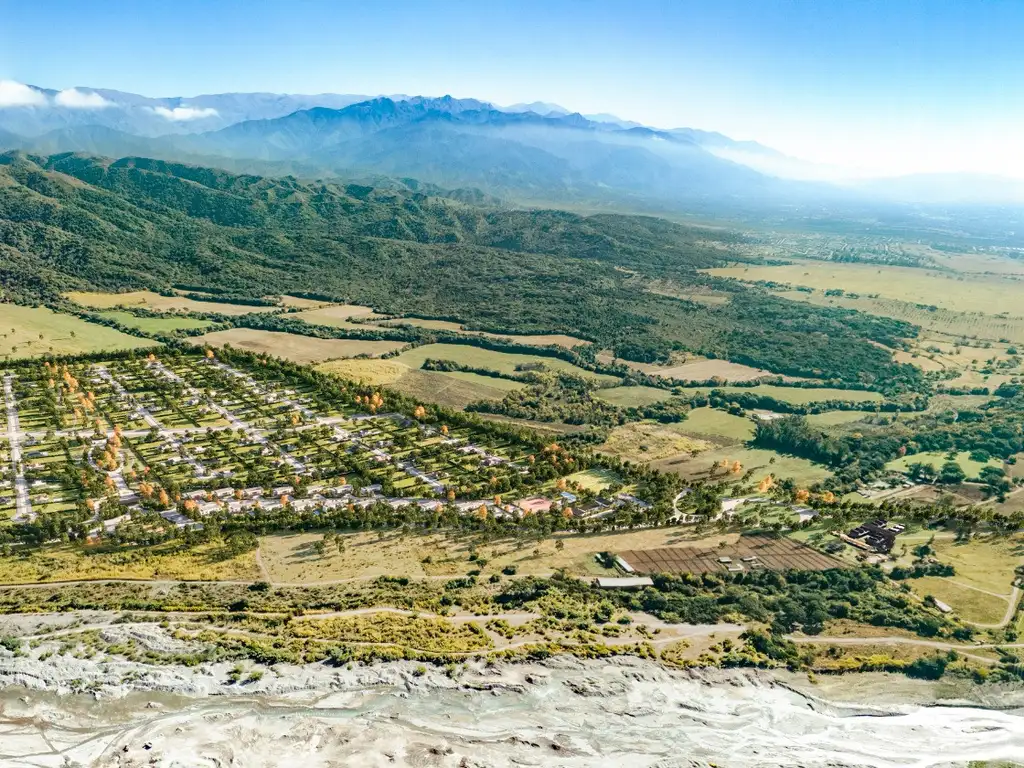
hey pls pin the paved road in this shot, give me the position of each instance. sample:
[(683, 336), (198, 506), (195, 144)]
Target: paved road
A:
[(22, 502)]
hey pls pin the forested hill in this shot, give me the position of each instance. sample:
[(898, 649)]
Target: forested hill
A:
[(68, 221)]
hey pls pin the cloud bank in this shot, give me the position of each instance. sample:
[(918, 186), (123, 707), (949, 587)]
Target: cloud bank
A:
[(14, 94), (76, 99), (179, 114)]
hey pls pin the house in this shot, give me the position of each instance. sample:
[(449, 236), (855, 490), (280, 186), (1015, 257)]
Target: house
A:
[(877, 535)]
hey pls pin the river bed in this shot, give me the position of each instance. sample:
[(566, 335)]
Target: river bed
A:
[(565, 712)]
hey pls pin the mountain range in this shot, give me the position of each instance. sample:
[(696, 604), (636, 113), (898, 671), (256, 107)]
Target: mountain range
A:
[(535, 152)]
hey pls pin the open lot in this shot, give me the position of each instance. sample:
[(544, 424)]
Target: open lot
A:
[(299, 349), (987, 294), (32, 331), (158, 303), (290, 558)]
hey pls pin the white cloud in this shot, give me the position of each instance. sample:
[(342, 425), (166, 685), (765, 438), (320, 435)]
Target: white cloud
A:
[(76, 99), (14, 94), (185, 113)]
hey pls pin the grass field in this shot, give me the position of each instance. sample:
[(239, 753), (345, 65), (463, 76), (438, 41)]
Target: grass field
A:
[(988, 294), (27, 331), (158, 303), (797, 395), (938, 458), (945, 321), (154, 324), (715, 423), (455, 389), (297, 302), (803, 472), (66, 563), (338, 315), (700, 370), (649, 441), (970, 604), (633, 397), (834, 418), (539, 340), (300, 349), (504, 362), (290, 558), (595, 479)]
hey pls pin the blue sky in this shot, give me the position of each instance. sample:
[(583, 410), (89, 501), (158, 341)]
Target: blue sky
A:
[(894, 86)]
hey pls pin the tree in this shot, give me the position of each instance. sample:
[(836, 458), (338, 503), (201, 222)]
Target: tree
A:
[(951, 473)]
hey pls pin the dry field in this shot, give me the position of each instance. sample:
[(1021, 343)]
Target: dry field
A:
[(538, 340), (649, 441), (988, 294), (339, 316), (776, 554), (762, 462), (297, 302), (300, 349), (975, 324), (454, 389), (68, 563), (158, 303), (290, 558)]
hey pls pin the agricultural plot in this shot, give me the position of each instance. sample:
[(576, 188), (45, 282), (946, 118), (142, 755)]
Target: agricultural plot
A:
[(976, 324), (159, 303), (154, 324), (339, 316), (796, 395), (172, 440), (986, 294), (748, 553), (539, 340), (299, 349), (633, 397), (503, 362)]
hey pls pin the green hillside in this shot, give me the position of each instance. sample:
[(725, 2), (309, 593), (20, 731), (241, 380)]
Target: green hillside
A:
[(74, 222)]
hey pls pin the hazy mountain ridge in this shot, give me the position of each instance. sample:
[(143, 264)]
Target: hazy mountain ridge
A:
[(532, 152)]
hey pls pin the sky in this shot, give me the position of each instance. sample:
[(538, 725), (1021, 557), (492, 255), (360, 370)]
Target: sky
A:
[(892, 87)]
